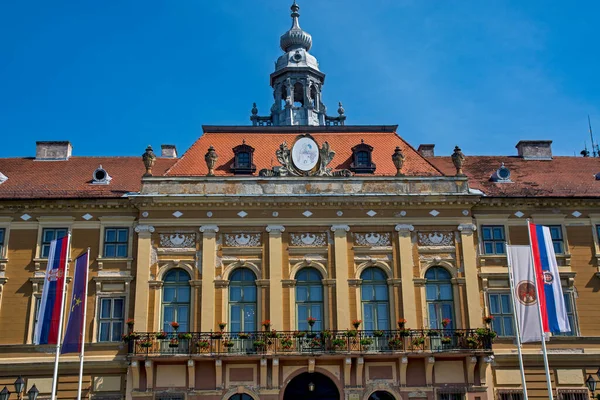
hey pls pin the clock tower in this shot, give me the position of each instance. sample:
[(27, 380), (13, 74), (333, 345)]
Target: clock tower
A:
[(297, 84)]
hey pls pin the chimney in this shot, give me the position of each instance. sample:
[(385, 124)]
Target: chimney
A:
[(535, 149), (53, 151), (426, 150), (168, 151)]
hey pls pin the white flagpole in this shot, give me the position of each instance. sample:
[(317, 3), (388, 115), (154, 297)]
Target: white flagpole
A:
[(516, 323), (81, 354), (62, 315), (539, 307)]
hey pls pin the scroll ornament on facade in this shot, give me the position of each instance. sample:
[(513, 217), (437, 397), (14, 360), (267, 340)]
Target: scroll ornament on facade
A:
[(242, 240), (308, 239), (436, 239), (372, 239), (177, 240)]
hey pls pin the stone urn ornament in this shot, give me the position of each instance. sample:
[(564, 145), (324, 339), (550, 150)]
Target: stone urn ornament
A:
[(458, 159), (398, 159), (149, 159), (211, 158)]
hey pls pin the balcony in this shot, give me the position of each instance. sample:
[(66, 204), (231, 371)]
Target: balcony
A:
[(308, 342)]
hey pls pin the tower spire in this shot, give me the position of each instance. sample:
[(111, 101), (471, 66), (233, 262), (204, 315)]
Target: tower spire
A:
[(297, 82)]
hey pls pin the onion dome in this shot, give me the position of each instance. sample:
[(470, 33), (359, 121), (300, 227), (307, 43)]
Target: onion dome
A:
[(295, 38)]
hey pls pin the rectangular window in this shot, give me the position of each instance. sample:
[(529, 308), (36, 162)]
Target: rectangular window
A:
[(2, 232), (48, 235), (573, 394), (568, 296), (510, 395), (110, 319), (115, 242), (501, 310), (36, 311), (493, 239), (451, 396), (557, 239)]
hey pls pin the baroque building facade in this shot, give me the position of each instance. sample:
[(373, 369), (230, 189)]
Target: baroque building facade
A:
[(354, 267)]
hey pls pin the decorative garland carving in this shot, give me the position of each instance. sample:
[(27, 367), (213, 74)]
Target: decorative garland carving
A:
[(308, 239), (372, 239), (436, 238), (178, 240), (242, 239)]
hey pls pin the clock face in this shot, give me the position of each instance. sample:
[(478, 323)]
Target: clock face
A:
[(305, 154)]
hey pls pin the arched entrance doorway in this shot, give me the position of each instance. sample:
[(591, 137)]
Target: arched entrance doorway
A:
[(313, 386), (381, 395)]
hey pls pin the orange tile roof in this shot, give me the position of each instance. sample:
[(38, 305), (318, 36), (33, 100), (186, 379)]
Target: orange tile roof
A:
[(266, 140), (559, 177), (28, 178)]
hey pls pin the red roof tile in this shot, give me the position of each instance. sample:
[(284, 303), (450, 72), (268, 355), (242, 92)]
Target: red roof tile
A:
[(28, 178), (559, 177), (266, 141)]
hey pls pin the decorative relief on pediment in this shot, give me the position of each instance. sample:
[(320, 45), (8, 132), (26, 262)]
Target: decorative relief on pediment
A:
[(178, 240), (307, 239), (372, 239), (242, 239), (435, 238)]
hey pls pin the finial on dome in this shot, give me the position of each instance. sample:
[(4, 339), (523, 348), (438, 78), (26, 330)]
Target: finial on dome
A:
[(295, 37)]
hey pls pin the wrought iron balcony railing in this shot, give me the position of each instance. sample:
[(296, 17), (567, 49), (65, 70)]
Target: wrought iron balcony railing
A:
[(299, 342)]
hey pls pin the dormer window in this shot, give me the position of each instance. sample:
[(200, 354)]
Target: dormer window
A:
[(101, 177), (362, 163), (242, 162), (3, 178), (501, 175)]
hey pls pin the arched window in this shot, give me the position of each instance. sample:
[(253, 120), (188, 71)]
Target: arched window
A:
[(176, 300), (375, 301), (242, 301), (440, 303), (242, 161), (309, 298), (381, 395), (298, 95), (362, 161), (241, 396)]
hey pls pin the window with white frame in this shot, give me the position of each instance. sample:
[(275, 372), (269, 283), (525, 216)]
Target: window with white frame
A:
[(493, 239), (501, 309), (510, 394), (48, 235), (569, 306), (557, 239), (110, 318), (37, 300), (2, 234), (115, 242)]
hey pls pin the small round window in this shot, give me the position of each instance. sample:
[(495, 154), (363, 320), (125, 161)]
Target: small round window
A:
[(100, 176), (503, 173)]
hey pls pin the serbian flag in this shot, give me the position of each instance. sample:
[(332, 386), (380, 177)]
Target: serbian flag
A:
[(552, 302), (74, 335), (53, 293)]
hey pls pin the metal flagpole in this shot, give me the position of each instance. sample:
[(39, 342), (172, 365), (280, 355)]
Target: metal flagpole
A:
[(516, 322), (539, 307), (60, 324), (81, 354)]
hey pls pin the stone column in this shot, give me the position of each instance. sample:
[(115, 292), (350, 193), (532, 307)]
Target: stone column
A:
[(469, 255), (191, 364), (275, 276), (149, 374), (341, 275), (142, 277), (209, 259), (275, 374), (406, 274)]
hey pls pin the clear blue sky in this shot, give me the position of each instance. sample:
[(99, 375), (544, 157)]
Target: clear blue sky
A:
[(114, 76)]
